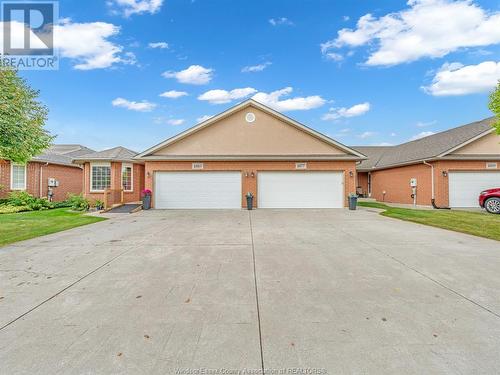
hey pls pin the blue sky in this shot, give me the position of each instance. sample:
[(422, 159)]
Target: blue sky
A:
[(362, 72)]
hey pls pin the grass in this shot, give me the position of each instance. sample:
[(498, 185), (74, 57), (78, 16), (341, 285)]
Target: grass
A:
[(475, 223), (26, 225)]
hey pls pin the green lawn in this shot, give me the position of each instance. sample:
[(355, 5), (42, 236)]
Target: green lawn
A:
[(475, 223), (25, 225)]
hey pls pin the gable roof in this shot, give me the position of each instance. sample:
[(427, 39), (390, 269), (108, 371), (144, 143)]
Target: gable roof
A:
[(62, 154), (113, 154), (431, 147), (148, 153)]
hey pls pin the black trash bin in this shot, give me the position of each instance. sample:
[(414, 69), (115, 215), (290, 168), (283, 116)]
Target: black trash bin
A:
[(249, 201), (353, 202)]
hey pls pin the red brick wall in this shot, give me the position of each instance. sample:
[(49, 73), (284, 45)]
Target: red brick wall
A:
[(249, 184), (116, 182), (70, 179), (396, 184), (396, 181)]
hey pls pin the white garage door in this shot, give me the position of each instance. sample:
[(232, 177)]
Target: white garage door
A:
[(300, 189), (197, 190), (466, 186)]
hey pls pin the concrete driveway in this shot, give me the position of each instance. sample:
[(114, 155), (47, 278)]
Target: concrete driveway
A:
[(323, 291)]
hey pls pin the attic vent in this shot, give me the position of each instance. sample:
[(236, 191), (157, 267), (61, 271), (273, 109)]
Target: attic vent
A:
[(491, 165), (300, 165), (197, 166), (250, 117)]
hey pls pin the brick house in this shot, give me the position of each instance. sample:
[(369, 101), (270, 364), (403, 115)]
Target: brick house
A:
[(250, 148), (56, 163), (112, 175), (449, 169)]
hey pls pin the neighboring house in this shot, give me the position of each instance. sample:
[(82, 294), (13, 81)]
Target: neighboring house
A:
[(250, 148), (451, 168), (112, 172), (55, 163)]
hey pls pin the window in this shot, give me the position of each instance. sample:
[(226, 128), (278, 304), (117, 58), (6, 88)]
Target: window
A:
[(127, 177), (17, 176), (100, 177)]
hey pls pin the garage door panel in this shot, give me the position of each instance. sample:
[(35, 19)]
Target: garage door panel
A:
[(464, 187), (197, 190), (300, 190)]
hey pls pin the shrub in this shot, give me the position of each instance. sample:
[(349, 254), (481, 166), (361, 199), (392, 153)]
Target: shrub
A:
[(7, 209), (78, 202), (63, 204), (23, 199)]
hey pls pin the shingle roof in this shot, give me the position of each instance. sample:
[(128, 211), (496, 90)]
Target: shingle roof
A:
[(374, 153), (425, 148), (62, 154), (116, 153)]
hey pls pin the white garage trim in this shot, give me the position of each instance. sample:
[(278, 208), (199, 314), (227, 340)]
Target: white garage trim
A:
[(300, 189), (197, 190), (464, 187)]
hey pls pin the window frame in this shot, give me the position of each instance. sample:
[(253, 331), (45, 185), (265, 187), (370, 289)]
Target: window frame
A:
[(12, 165), (131, 166), (92, 165)]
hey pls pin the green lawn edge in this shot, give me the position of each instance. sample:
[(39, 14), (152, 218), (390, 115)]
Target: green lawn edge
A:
[(27, 225), (474, 223)]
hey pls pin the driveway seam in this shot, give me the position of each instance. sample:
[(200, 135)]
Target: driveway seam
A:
[(63, 290), (256, 294), (429, 278)]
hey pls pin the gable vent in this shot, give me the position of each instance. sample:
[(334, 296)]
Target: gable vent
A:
[(250, 117)]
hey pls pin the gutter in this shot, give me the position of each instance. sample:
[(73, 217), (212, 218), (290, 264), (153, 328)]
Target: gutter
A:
[(41, 178), (433, 200)]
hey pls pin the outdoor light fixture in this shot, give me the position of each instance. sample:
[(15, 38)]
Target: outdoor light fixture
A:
[(351, 173), (246, 174), (149, 174), (445, 174), (253, 175)]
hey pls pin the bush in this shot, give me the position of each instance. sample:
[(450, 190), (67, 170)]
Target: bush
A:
[(99, 204), (6, 209), (63, 204), (78, 202), (24, 199)]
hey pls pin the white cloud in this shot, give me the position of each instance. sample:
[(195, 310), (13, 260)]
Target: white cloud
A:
[(176, 122), (204, 118), (160, 45), (393, 134), (421, 135), (425, 124), (130, 7), (385, 144), (299, 103), (346, 18), (334, 56), (355, 110), (194, 75), (280, 21), (365, 135), (173, 94), (143, 106), (456, 79), (89, 45), (256, 68), (223, 96), (427, 28)]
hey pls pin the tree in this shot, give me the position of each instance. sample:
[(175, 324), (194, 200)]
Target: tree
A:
[(494, 106), (22, 119)]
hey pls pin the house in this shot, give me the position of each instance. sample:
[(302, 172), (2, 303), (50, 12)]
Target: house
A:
[(448, 169), (250, 148), (112, 175), (34, 177)]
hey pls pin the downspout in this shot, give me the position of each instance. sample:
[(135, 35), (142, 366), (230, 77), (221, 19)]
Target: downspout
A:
[(433, 198), (41, 179)]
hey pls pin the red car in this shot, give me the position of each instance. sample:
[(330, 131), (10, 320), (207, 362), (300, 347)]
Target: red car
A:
[(490, 200)]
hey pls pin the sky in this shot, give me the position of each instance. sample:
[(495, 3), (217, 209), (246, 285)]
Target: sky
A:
[(364, 72)]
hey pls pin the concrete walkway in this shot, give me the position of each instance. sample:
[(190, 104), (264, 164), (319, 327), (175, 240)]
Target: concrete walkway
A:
[(163, 292)]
